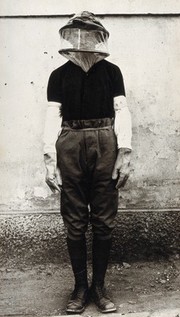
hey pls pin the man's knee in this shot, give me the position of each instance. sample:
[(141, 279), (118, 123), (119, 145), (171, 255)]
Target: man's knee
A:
[(102, 231), (76, 234)]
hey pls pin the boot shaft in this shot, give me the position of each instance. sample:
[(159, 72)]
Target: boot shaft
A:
[(78, 256), (101, 250)]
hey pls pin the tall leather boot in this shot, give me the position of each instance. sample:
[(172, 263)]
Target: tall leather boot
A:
[(101, 250), (78, 257)]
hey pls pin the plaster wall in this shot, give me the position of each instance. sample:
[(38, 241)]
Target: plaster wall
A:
[(147, 49), (54, 7)]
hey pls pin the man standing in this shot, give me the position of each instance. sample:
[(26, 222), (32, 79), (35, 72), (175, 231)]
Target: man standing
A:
[(88, 139)]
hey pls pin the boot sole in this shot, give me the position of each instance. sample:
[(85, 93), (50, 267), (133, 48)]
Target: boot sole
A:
[(107, 310), (79, 311)]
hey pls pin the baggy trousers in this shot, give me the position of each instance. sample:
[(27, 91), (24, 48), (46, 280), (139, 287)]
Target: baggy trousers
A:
[(86, 153)]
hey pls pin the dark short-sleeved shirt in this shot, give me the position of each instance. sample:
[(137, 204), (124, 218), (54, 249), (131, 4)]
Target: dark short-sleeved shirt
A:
[(86, 95)]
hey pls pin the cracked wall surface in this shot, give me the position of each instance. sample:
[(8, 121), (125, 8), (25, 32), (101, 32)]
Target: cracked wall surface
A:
[(147, 50)]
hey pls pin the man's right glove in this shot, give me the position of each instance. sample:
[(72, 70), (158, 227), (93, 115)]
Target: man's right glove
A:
[(52, 129), (53, 177)]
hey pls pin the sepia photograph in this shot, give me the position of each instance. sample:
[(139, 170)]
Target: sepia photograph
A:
[(90, 158)]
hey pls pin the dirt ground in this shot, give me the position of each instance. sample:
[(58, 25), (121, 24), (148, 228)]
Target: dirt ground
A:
[(135, 287)]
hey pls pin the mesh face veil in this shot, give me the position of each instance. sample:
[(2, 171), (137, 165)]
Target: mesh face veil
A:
[(84, 40)]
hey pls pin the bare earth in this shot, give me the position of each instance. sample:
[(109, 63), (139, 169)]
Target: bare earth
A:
[(135, 287)]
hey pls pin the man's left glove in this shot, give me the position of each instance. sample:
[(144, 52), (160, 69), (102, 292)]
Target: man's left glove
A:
[(121, 169), (53, 177)]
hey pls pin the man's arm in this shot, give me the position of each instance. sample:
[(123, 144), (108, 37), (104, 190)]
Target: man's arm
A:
[(123, 131), (52, 129)]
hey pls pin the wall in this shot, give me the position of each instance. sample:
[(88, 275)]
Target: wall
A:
[(147, 49), (55, 7), (145, 43)]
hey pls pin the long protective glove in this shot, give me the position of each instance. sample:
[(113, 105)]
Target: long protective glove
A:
[(53, 176), (123, 132), (51, 131), (121, 169)]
